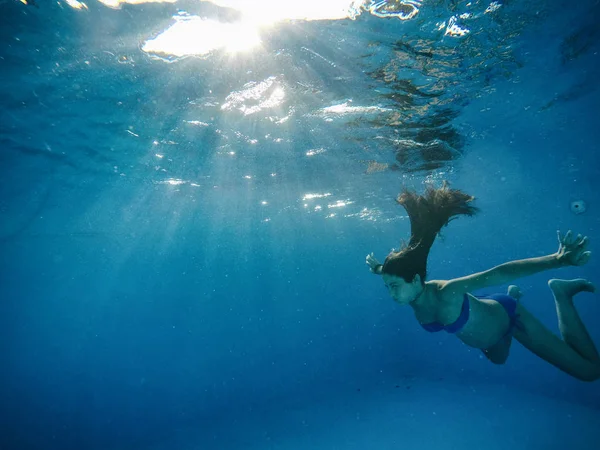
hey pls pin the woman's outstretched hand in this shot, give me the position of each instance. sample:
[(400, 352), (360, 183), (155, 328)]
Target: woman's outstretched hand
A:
[(572, 250), (374, 265)]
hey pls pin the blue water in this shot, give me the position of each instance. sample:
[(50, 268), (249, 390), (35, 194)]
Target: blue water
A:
[(182, 238)]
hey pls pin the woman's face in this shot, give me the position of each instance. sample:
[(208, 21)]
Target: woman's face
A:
[(401, 291)]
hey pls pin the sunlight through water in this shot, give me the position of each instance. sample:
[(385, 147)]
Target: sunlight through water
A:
[(256, 91), (192, 35)]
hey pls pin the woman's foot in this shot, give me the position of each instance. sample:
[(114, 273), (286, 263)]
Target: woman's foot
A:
[(569, 288), (514, 292)]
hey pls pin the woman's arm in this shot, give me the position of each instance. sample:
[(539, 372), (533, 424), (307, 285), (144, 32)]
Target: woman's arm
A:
[(571, 251)]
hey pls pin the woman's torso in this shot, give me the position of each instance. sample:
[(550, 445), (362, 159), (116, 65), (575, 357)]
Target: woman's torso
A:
[(487, 322)]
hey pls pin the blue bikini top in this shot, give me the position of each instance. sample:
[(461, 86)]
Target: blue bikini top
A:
[(452, 328)]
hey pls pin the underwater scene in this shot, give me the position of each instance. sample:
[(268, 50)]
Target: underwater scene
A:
[(291, 225)]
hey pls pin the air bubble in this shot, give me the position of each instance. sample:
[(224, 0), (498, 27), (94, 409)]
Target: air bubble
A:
[(578, 207)]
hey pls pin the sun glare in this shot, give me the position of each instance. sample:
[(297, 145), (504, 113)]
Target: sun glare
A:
[(196, 36), (193, 35)]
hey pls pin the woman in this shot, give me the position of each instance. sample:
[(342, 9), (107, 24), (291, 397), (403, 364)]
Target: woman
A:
[(488, 322)]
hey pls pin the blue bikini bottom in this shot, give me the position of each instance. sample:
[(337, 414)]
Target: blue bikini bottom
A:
[(508, 303)]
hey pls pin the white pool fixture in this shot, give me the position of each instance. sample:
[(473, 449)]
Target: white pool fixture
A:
[(578, 207)]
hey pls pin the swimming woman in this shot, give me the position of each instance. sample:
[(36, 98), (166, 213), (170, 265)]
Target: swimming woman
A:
[(488, 322)]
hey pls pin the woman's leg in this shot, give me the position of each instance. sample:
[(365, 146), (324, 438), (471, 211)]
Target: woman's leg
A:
[(576, 354), (571, 327)]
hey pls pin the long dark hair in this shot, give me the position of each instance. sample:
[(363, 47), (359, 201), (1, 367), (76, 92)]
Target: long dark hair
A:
[(428, 214)]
